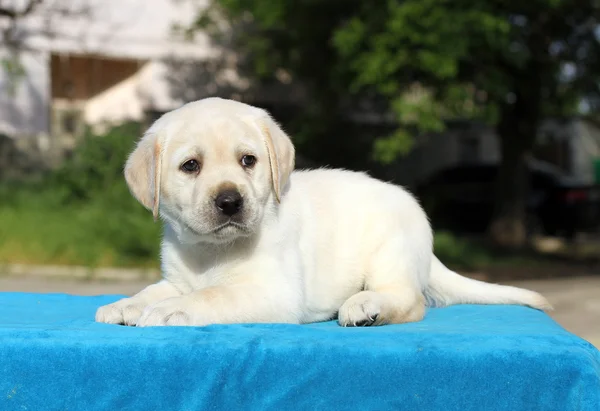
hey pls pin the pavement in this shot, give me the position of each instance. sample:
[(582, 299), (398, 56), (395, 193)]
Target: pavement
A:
[(576, 300)]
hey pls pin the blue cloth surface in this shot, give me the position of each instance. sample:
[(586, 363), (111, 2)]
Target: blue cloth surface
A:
[(53, 356)]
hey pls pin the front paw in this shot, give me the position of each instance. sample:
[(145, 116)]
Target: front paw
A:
[(173, 311), (126, 311), (361, 310)]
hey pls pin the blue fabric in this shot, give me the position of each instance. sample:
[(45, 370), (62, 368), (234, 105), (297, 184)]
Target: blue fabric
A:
[(54, 357)]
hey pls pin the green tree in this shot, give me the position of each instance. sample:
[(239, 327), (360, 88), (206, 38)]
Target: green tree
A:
[(511, 63), (268, 37)]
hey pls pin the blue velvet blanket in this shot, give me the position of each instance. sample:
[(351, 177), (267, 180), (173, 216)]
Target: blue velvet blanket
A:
[(54, 357)]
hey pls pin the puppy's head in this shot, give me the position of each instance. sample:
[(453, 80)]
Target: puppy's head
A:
[(210, 168)]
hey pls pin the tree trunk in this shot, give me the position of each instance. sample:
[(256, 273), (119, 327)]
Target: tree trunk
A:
[(508, 227), (517, 130)]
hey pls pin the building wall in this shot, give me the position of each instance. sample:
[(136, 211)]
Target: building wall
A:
[(430, 154), (117, 28), (457, 145), (490, 146), (572, 146), (26, 111), (113, 29)]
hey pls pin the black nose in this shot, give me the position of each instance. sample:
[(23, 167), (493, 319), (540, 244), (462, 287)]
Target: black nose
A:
[(229, 202)]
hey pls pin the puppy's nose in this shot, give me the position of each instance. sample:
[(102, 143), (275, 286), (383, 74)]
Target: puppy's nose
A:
[(229, 202)]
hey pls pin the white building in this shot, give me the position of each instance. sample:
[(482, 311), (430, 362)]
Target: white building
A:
[(103, 61)]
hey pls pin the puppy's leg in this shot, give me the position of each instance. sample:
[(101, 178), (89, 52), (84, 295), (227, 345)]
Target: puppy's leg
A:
[(392, 292), (127, 311), (382, 306), (255, 301)]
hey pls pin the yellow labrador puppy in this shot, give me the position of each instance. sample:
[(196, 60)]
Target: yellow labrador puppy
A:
[(248, 240)]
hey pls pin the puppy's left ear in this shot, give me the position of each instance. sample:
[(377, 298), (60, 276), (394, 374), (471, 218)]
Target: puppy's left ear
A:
[(281, 151), (143, 172)]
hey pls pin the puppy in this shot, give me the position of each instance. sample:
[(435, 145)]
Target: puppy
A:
[(246, 240)]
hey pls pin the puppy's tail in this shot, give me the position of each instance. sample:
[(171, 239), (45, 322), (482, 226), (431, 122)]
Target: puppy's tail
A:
[(447, 288)]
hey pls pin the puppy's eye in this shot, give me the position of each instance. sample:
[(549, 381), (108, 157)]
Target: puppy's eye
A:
[(248, 161), (190, 166)]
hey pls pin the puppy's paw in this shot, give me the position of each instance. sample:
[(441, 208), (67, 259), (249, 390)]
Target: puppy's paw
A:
[(126, 311), (173, 311), (361, 310)]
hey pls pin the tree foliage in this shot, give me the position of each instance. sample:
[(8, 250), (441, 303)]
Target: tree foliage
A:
[(510, 63)]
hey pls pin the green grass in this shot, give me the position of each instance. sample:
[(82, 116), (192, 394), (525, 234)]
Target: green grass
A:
[(37, 230), (83, 214), (88, 234)]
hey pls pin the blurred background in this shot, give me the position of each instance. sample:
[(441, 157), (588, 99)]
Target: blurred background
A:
[(487, 110)]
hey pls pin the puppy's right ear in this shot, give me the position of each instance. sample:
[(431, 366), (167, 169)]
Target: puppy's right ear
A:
[(143, 171)]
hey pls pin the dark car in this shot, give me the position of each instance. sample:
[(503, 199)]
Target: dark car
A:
[(462, 198)]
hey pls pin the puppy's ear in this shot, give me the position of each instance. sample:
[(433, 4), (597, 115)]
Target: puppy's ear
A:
[(281, 151), (143, 172)]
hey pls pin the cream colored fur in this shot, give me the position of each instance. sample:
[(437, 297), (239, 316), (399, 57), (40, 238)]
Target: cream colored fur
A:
[(307, 246)]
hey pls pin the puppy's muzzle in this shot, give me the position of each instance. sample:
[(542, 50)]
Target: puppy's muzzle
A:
[(229, 202)]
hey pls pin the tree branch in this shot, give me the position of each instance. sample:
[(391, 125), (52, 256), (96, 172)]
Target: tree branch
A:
[(15, 14)]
